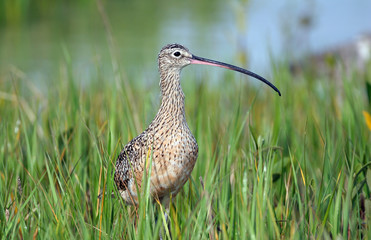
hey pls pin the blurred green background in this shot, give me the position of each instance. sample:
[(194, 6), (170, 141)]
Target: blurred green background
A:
[(35, 35)]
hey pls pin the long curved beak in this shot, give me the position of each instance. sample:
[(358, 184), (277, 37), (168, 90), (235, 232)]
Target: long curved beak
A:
[(205, 61)]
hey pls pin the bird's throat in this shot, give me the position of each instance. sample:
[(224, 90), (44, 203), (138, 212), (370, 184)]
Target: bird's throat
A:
[(172, 102)]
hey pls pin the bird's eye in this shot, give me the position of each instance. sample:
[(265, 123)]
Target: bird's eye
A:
[(176, 54)]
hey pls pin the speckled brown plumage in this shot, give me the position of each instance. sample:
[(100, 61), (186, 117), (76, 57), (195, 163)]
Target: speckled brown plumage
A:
[(168, 138)]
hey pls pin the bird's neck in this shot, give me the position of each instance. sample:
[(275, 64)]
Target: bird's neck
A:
[(172, 102)]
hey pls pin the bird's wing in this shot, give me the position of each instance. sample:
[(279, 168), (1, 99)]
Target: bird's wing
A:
[(130, 159)]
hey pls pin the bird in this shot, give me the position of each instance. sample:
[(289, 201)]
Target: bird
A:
[(167, 141)]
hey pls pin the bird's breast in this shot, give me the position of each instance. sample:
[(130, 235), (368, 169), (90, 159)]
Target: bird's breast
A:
[(174, 155)]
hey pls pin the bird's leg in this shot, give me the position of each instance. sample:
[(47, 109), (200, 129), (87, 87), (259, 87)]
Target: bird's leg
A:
[(166, 214), (166, 202), (159, 233), (166, 221)]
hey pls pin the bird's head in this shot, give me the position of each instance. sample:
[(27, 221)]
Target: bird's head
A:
[(173, 57)]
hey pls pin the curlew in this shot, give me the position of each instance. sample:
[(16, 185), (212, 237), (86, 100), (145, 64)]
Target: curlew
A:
[(168, 140)]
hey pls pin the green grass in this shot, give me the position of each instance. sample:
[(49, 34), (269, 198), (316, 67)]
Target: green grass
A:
[(269, 167)]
